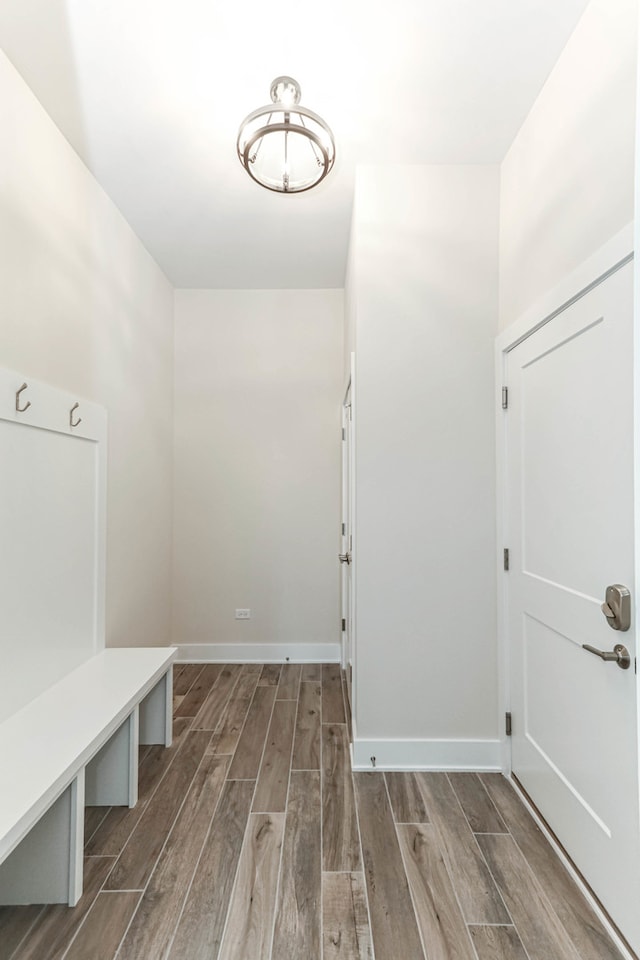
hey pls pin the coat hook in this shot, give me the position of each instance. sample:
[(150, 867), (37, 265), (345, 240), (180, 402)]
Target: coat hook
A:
[(79, 420), (28, 403)]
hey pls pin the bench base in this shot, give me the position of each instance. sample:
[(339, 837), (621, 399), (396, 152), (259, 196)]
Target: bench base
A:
[(46, 864), (111, 778), (46, 867)]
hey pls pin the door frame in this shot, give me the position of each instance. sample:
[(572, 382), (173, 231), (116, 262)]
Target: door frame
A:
[(350, 492), (613, 255), (346, 523)]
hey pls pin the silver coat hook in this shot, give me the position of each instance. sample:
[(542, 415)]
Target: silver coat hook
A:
[(79, 420), (28, 403)]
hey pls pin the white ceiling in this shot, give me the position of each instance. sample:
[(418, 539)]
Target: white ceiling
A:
[(151, 93)]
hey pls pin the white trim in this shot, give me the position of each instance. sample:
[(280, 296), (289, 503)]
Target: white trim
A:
[(577, 877), (476, 755), (502, 541), (345, 447), (258, 652), (609, 258), (353, 496), (45, 413), (49, 409), (591, 271)]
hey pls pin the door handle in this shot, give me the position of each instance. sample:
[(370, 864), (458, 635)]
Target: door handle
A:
[(617, 607), (619, 655)]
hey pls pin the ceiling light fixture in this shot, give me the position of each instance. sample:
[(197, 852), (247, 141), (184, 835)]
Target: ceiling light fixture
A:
[(283, 146)]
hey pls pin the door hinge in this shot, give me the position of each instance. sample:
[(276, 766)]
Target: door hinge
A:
[(507, 723), (505, 398), (344, 529), (344, 436), (505, 558), (344, 624)]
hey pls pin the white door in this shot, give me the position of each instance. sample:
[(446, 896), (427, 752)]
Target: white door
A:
[(346, 554), (570, 523)]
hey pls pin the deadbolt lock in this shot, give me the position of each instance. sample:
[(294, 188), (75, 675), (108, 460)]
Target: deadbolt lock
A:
[(617, 607)]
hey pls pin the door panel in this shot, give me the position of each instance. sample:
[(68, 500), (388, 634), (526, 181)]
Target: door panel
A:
[(571, 525), (559, 398)]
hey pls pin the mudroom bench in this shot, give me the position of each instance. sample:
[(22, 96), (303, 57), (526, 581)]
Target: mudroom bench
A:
[(75, 743)]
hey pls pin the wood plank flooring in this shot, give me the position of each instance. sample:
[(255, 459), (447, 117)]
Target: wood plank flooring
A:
[(253, 840)]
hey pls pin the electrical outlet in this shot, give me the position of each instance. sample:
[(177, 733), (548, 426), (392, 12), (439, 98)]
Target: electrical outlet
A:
[(243, 614)]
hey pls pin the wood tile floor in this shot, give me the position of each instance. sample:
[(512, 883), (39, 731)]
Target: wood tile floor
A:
[(253, 840)]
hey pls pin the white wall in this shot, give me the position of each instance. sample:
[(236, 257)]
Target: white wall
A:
[(258, 388), (85, 308), (350, 303), (567, 183), (424, 294)]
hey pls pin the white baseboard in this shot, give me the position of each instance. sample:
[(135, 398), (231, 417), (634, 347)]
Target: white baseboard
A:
[(427, 755), (258, 652)]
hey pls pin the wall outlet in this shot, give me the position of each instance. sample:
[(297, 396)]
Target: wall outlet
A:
[(243, 614)]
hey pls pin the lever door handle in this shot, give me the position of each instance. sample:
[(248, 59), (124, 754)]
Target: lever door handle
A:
[(619, 654)]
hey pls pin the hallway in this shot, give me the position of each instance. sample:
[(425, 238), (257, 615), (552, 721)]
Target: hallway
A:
[(253, 839)]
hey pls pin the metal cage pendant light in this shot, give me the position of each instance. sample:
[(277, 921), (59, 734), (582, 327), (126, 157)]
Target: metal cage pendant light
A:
[(283, 146)]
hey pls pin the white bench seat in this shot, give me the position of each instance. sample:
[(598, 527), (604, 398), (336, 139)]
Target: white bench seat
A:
[(80, 735)]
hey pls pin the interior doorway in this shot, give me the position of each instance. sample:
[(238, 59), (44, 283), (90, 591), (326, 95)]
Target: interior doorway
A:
[(569, 644)]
